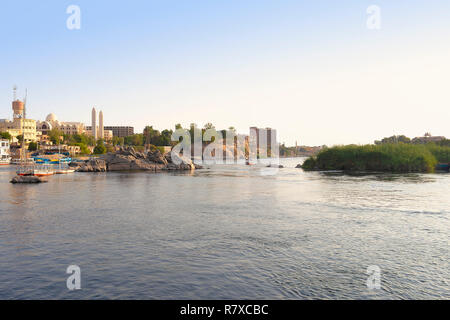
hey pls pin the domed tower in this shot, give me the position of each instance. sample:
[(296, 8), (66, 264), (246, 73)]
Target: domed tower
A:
[(51, 118)]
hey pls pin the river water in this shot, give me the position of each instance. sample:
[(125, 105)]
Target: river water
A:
[(226, 232)]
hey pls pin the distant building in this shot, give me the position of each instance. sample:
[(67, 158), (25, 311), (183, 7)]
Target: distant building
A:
[(428, 138), (19, 125), (107, 134), (51, 122), (121, 132)]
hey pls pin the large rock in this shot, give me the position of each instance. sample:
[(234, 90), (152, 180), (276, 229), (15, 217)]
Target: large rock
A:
[(27, 179), (178, 162), (156, 157), (121, 162), (93, 165), (128, 159)]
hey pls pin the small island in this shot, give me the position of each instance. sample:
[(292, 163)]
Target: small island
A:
[(388, 155)]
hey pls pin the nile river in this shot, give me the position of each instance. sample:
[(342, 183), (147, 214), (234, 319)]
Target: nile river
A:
[(227, 232)]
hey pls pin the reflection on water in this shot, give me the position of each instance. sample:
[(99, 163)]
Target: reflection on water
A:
[(239, 232)]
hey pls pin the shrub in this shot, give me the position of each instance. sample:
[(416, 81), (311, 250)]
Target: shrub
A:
[(383, 157)]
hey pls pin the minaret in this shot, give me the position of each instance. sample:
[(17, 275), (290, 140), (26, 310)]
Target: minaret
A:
[(94, 124), (101, 134)]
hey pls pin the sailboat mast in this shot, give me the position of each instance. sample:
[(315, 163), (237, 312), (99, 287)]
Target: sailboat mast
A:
[(22, 153)]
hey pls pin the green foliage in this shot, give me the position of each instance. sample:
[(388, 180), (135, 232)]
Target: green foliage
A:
[(118, 141), (441, 153), (76, 139), (444, 143), (394, 139), (382, 157), (32, 146), (55, 136), (5, 135), (100, 148), (153, 136), (83, 148), (134, 140)]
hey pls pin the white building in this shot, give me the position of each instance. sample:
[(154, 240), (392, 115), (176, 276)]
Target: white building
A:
[(52, 122), (5, 157)]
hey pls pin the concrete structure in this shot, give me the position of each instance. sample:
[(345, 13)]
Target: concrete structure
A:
[(121, 132), (428, 138), (19, 125), (107, 134), (101, 134), (94, 124), (51, 122)]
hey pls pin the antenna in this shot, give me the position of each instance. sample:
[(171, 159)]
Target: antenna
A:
[(15, 92)]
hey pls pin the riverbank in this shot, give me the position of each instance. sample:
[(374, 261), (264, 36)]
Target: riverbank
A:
[(395, 158)]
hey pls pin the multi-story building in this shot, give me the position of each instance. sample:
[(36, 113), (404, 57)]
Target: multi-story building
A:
[(121, 132), (107, 134), (51, 122)]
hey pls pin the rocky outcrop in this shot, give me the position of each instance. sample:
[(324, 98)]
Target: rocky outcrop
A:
[(128, 159), (92, 165), (177, 162), (27, 179)]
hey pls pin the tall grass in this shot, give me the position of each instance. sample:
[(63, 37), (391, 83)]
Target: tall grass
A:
[(385, 158)]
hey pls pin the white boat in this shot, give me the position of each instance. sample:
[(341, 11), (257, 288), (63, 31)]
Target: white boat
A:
[(64, 171), (43, 170), (35, 170), (5, 157)]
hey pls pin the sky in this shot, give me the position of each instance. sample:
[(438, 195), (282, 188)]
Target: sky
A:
[(311, 69)]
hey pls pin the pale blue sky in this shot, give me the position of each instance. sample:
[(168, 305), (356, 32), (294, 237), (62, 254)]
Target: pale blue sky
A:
[(311, 69)]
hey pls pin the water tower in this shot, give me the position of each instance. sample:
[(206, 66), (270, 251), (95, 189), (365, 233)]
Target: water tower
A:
[(18, 107)]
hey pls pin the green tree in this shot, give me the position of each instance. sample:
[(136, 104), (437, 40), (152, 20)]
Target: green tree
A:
[(83, 148), (118, 141), (100, 147), (6, 135), (135, 140), (32, 146), (55, 136), (394, 139)]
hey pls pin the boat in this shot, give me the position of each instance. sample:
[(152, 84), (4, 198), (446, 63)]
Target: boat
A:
[(43, 171), (5, 158), (443, 167), (27, 166), (66, 169)]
